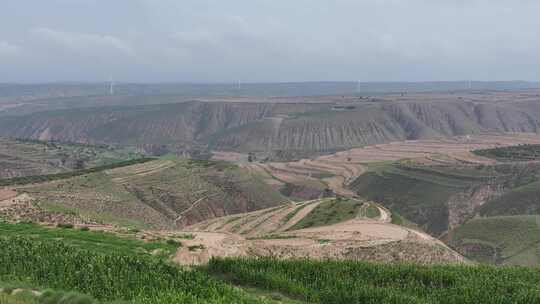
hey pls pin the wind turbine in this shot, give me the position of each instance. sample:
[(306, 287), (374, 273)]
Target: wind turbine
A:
[(358, 87), (111, 86)]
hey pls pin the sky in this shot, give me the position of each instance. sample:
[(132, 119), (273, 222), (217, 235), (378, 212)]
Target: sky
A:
[(268, 40)]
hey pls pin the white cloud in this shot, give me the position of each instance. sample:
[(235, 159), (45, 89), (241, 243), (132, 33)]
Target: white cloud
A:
[(83, 43), (273, 40), (8, 49)]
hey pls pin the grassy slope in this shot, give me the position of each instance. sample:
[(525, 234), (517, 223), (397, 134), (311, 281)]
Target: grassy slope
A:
[(89, 240), (521, 200), (416, 197), (421, 193), (513, 153), (331, 212), (511, 240), (155, 193)]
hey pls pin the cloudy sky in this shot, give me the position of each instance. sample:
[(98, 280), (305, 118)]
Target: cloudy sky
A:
[(268, 40)]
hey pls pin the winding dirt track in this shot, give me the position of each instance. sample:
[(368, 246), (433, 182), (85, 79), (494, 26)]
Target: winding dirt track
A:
[(268, 233)]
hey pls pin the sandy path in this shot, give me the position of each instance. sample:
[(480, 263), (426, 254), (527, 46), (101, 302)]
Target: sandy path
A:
[(206, 245), (386, 216), (15, 200), (193, 206), (6, 194), (355, 230)]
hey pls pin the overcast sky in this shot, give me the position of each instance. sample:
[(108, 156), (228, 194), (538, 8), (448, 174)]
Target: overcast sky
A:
[(268, 40)]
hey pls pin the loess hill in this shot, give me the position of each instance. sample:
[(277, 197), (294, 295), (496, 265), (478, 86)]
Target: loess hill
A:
[(19, 158), (487, 212), (165, 193), (290, 127)]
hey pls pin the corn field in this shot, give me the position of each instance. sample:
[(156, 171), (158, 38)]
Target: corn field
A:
[(107, 277), (348, 282)]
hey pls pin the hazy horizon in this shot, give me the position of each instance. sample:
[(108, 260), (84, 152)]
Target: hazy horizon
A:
[(210, 41)]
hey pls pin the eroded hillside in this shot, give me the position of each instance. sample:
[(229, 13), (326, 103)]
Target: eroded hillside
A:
[(283, 130)]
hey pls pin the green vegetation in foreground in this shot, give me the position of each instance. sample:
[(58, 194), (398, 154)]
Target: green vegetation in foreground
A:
[(20, 299), (510, 240), (330, 212), (513, 153), (91, 240), (25, 296), (345, 282), (43, 263), (65, 175), (110, 276)]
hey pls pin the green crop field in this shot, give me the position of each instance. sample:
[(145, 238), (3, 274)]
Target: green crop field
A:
[(109, 277), (21, 299), (79, 270), (356, 282), (95, 240)]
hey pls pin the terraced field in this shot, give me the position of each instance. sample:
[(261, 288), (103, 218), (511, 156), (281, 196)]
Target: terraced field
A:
[(337, 171), (237, 210), (20, 158), (166, 193), (325, 228)]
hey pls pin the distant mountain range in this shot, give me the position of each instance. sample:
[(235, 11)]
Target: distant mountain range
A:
[(288, 89)]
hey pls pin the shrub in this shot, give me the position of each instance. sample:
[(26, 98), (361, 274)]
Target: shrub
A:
[(65, 225)]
